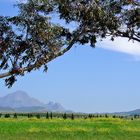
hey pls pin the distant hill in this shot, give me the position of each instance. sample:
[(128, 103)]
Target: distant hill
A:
[(30, 109), (128, 113), (20, 101), (6, 109), (54, 107)]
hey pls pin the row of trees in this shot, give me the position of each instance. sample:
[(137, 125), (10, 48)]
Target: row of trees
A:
[(38, 115), (31, 39), (65, 115)]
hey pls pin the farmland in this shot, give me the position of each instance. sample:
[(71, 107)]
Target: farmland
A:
[(23, 128)]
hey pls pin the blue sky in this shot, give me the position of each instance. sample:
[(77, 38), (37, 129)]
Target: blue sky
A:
[(104, 79)]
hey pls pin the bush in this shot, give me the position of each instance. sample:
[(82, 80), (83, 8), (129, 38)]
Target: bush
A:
[(114, 116), (90, 116), (47, 115), (72, 116), (64, 116), (7, 115), (38, 116), (15, 115), (51, 115), (106, 116), (30, 115)]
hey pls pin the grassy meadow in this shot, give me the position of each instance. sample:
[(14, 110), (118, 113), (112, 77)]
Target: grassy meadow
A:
[(77, 129)]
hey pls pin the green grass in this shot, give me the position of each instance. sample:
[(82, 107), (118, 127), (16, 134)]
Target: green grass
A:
[(78, 129)]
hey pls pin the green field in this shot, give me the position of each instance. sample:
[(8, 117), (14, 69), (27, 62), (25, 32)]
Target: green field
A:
[(78, 129)]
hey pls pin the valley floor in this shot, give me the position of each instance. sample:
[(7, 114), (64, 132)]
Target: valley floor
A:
[(77, 129)]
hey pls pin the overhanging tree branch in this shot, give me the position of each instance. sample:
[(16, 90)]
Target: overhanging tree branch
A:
[(31, 40)]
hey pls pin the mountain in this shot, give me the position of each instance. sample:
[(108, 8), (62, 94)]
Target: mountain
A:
[(55, 107), (30, 109), (20, 101), (134, 112), (128, 113), (6, 109)]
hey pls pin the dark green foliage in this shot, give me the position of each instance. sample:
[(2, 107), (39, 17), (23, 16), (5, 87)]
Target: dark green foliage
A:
[(135, 116), (30, 115), (90, 116), (38, 116), (114, 116), (64, 116), (51, 115), (15, 115), (85, 117), (100, 116), (7, 115), (72, 116), (106, 115), (47, 115)]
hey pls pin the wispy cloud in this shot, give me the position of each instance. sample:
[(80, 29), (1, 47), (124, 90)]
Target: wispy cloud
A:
[(122, 45)]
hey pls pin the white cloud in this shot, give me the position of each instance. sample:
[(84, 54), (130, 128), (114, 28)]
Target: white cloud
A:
[(122, 45)]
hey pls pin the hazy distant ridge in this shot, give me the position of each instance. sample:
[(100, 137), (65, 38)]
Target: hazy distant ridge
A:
[(20, 101)]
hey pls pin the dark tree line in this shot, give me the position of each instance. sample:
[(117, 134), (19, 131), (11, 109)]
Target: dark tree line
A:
[(65, 116)]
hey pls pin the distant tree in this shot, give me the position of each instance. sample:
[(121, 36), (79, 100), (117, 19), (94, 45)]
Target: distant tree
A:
[(64, 116), (90, 116), (135, 116), (0, 115), (85, 116), (51, 115), (38, 116), (114, 116), (47, 115), (121, 117), (15, 115), (30, 40), (100, 116), (7, 115), (30, 115), (72, 116), (106, 116)]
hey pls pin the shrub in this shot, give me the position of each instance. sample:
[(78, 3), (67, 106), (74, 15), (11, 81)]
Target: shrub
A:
[(15, 115), (38, 116), (51, 115), (114, 116), (47, 115), (30, 115), (64, 116), (90, 116), (106, 116), (7, 115), (72, 116)]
